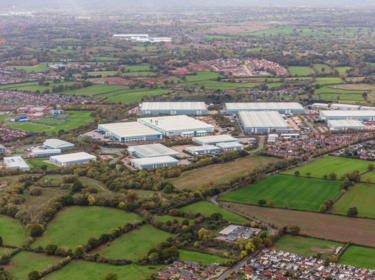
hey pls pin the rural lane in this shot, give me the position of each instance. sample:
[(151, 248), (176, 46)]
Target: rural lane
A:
[(236, 267)]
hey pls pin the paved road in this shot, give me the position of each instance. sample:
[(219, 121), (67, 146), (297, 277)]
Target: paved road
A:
[(236, 267), (260, 146), (311, 126), (112, 151)]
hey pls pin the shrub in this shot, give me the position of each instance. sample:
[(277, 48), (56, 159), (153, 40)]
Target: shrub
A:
[(4, 259), (77, 186), (93, 242), (62, 251), (50, 249), (111, 276), (35, 191), (34, 275), (35, 229)]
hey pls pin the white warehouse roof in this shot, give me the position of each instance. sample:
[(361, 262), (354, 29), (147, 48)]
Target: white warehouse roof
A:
[(154, 160), (263, 106), (345, 106), (173, 106), (202, 148), (229, 145), (173, 123), (57, 143), (366, 108), (129, 129), (16, 162), (348, 113), (47, 151), (73, 157), (345, 123), (153, 150), (216, 138), (262, 119)]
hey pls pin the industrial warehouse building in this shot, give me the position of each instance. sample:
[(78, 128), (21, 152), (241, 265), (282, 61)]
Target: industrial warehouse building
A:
[(366, 115), (16, 162), (366, 108), (45, 152), (177, 125), (281, 107), (57, 144), (320, 105), (213, 140), (344, 107), (345, 124), (152, 150), (263, 121), (173, 108), (230, 146), (69, 159), (130, 132), (201, 150), (154, 162)]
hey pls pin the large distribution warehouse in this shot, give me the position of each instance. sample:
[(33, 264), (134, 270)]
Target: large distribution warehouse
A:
[(173, 108), (213, 140), (281, 107), (130, 132), (177, 125), (339, 106), (365, 115), (57, 144), (263, 121), (152, 150), (345, 124), (69, 159), (201, 150), (154, 162)]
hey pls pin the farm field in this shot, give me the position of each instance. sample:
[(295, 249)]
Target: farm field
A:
[(357, 87), (12, 232), (331, 164), (306, 246), (47, 194), (219, 172), (334, 89), (207, 208), (40, 162), (326, 81), (319, 67), (84, 270), (74, 120), (299, 193), (300, 70), (134, 244), (360, 196), (359, 256), (137, 67), (95, 90), (342, 229), (96, 73), (342, 70), (192, 256), (202, 76), (92, 221), (128, 97), (37, 68)]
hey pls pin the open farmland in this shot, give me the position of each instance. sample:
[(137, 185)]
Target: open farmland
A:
[(192, 256), (306, 246), (342, 229), (131, 96), (320, 68), (327, 81), (351, 87), (12, 232), (207, 208), (134, 244), (36, 68), (95, 90), (359, 256), (219, 172), (92, 221), (300, 70), (299, 193), (342, 70), (330, 164)]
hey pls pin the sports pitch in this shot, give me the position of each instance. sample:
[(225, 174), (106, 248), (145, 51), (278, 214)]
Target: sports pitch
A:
[(299, 193)]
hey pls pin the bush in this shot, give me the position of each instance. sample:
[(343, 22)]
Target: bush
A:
[(111, 276), (62, 251), (50, 249), (4, 259), (34, 275), (35, 229), (77, 186), (35, 191)]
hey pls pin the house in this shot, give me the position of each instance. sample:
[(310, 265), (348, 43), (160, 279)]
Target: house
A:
[(206, 273), (177, 264), (165, 276), (267, 273), (187, 264), (195, 266), (173, 270), (278, 275), (212, 268)]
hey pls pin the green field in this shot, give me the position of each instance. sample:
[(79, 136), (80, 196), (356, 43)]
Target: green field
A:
[(202, 76), (331, 164), (40, 162), (305, 246), (76, 119), (137, 67), (95, 90), (359, 256), (360, 196), (132, 96), (219, 172), (24, 262), (328, 81), (134, 244), (207, 208), (37, 68), (192, 256), (73, 226), (84, 270), (300, 70), (300, 193), (342, 70), (320, 66), (12, 232)]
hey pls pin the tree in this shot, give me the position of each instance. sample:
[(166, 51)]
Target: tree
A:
[(111, 276), (50, 249), (185, 222), (196, 244), (368, 179), (93, 242), (79, 252), (333, 258), (323, 208), (294, 230), (216, 216), (267, 242), (352, 212), (296, 173), (271, 203), (4, 260), (203, 234), (262, 202), (325, 176), (34, 275), (370, 167), (77, 186), (286, 205), (91, 200), (332, 176), (35, 230), (1, 241), (308, 174)]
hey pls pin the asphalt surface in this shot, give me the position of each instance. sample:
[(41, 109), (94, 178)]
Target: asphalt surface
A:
[(236, 267)]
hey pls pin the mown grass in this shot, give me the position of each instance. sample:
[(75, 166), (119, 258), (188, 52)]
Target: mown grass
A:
[(12, 232), (359, 256), (192, 256), (300, 70), (40, 163), (320, 67)]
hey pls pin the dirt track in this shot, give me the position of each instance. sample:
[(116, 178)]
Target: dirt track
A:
[(360, 231)]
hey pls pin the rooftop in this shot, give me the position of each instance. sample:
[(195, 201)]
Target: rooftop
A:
[(262, 119), (216, 138), (202, 148), (344, 106), (173, 106), (16, 161), (229, 144), (263, 106), (348, 113), (154, 150), (129, 129), (57, 143), (154, 160), (345, 123), (73, 157), (181, 122)]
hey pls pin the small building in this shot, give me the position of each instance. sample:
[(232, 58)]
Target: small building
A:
[(56, 112), (281, 107), (154, 162), (45, 152), (263, 121), (339, 106), (152, 150), (3, 150), (57, 144), (16, 162), (213, 140), (188, 134), (345, 124), (173, 108), (366, 115), (75, 158), (201, 150), (230, 146), (290, 136), (35, 115)]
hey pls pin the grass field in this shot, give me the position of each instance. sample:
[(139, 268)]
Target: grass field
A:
[(73, 226), (202, 76), (12, 232), (327, 81), (359, 256), (84, 270), (95, 89), (128, 97), (342, 70), (192, 256), (207, 208), (360, 196), (137, 67), (76, 119), (47, 194), (300, 70), (305, 246), (24, 262), (300, 193), (133, 245), (219, 172), (320, 66), (40, 162), (37, 68), (331, 164)]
